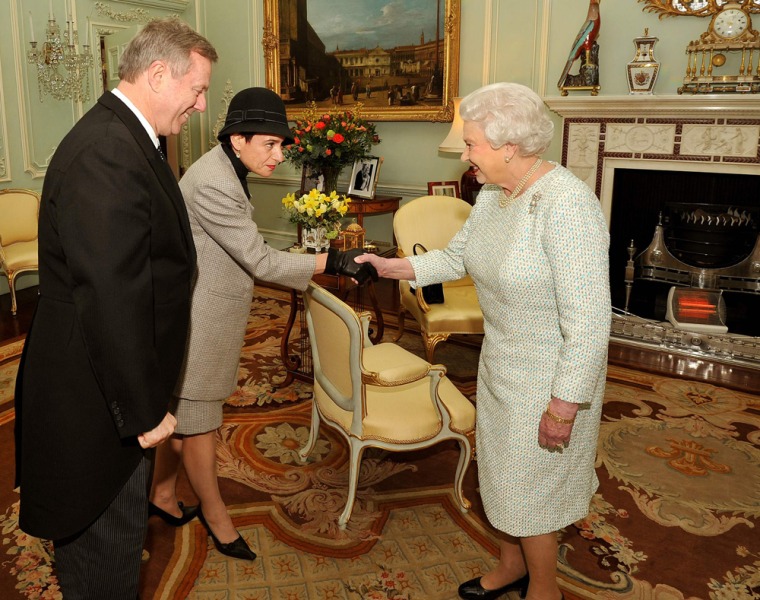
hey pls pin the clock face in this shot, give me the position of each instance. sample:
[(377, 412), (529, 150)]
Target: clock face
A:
[(730, 23)]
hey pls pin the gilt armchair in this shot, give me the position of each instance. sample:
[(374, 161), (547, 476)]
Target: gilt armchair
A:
[(380, 395), (19, 213), (432, 221)]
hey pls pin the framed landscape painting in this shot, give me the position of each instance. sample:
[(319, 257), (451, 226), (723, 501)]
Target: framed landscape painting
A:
[(398, 60)]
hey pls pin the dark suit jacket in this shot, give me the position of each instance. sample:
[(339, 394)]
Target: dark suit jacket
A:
[(107, 340)]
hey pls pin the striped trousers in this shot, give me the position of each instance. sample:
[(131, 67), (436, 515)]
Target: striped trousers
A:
[(103, 561)]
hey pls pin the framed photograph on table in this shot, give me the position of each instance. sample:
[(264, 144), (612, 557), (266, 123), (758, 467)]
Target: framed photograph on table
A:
[(444, 188), (363, 180), (311, 179)]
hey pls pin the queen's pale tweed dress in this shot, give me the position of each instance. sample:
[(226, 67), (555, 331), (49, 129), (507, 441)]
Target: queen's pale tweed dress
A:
[(540, 266)]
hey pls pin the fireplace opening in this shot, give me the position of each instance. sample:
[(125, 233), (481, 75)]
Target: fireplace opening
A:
[(710, 221)]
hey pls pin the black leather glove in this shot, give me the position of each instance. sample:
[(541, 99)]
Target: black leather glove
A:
[(342, 263)]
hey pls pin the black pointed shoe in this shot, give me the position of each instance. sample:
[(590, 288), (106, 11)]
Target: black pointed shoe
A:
[(188, 514), (236, 548), (472, 590)]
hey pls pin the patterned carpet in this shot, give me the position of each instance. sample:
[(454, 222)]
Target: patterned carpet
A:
[(675, 517)]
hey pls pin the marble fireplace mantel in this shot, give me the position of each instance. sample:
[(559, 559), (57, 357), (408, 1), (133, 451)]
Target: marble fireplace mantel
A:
[(701, 106), (718, 133)]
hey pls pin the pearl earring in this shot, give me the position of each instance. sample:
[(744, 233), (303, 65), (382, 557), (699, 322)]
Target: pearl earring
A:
[(507, 159)]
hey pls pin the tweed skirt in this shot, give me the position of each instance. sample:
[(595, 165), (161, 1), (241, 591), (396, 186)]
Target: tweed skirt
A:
[(197, 416)]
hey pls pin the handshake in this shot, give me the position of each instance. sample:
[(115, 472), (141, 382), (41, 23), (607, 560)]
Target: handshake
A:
[(342, 263)]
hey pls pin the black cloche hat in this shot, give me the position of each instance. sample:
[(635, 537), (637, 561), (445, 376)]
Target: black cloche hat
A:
[(257, 110)]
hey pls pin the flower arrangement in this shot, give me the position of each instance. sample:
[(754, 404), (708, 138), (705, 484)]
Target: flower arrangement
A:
[(316, 209), (330, 141)]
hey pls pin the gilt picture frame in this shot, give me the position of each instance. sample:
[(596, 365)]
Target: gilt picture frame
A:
[(412, 72), (444, 188)]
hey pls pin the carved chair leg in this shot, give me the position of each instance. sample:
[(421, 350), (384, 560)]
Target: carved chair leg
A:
[(303, 453), (12, 287), (401, 319), (430, 342), (465, 458), (354, 464)]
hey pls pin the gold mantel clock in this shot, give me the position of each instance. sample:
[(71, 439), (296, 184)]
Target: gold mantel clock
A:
[(726, 58)]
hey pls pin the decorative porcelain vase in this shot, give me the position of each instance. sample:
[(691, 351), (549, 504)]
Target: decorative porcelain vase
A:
[(315, 238), (643, 69)]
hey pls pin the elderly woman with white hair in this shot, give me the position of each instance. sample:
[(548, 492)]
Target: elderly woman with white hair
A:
[(536, 246)]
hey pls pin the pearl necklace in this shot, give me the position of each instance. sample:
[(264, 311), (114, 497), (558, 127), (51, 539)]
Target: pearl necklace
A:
[(520, 184)]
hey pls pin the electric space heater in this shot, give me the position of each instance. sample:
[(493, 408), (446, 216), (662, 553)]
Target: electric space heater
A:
[(695, 309)]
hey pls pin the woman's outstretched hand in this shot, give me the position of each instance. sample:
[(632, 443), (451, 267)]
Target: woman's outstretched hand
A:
[(391, 268), (344, 263)]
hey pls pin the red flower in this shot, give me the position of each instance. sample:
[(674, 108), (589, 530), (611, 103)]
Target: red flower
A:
[(338, 138), (320, 125), (328, 152), (297, 140)]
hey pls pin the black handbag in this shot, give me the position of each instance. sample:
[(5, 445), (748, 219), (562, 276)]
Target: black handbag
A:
[(433, 293)]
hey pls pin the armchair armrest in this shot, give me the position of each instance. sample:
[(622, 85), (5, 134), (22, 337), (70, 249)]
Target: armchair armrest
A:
[(394, 377), (424, 306), (365, 318), (390, 365)]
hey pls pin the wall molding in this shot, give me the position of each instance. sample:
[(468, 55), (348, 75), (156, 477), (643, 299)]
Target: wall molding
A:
[(541, 68), (176, 5), (256, 20), (5, 160), (490, 42), (19, 62)]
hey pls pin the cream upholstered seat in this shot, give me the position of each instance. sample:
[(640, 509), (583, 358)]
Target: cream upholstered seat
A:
[(432, 221), (19, 213), (379, 395)]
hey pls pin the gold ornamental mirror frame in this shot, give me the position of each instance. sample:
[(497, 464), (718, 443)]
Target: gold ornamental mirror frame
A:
[(694, 8), (413, 82)]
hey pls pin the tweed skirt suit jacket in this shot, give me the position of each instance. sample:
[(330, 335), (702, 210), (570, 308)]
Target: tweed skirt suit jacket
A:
[(231, 255)]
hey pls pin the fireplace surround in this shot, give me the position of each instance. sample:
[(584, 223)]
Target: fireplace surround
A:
[(717, 136)]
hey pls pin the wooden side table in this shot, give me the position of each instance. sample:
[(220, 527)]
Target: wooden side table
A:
[(377, 206), (299, 365)]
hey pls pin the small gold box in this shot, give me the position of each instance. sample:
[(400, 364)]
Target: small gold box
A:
[(353, 237)]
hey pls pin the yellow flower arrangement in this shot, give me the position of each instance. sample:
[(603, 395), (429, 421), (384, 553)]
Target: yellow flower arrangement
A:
[(316, 209)]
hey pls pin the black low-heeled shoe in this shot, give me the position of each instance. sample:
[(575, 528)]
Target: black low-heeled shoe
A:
[(237, 548), (188, 514), (472, 590)]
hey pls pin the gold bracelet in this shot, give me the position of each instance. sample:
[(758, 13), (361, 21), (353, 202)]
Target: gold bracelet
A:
[(558, 419)]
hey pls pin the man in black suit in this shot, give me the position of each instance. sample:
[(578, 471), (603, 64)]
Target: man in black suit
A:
[(107, 340)]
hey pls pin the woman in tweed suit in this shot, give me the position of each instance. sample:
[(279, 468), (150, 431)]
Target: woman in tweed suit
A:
[(536, 247), (231, 254)]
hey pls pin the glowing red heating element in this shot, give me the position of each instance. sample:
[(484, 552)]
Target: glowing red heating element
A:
[(696, 309)]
